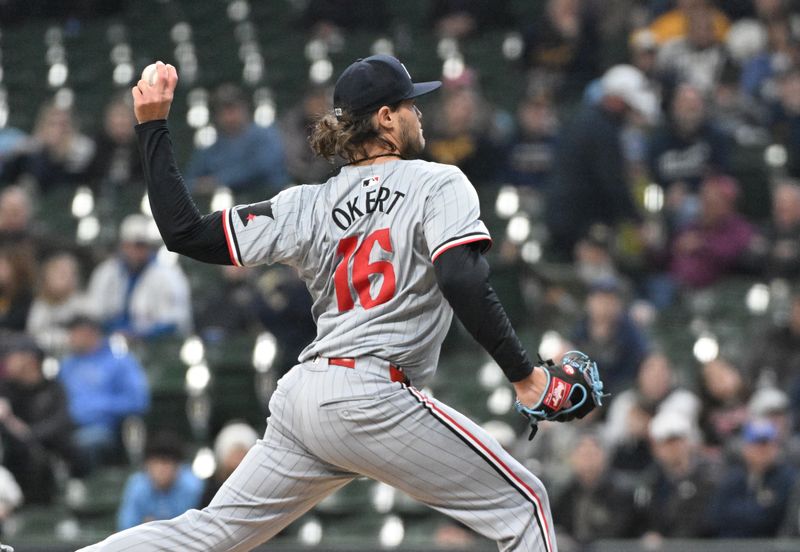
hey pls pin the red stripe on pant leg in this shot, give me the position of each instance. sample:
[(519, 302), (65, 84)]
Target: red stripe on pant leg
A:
[(498, 461)]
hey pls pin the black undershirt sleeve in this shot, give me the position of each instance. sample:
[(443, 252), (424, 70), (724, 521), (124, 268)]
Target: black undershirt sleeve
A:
[(463, 276), (182, 227)]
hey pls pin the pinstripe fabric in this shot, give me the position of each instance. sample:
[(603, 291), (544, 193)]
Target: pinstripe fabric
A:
[(337, 423), (330, 424), (427, 208)]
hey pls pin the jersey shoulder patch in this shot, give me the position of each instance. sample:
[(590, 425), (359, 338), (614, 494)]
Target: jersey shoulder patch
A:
[(250, 212)]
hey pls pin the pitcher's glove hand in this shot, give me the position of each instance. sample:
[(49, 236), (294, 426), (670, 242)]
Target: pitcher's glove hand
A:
[(573, 389)]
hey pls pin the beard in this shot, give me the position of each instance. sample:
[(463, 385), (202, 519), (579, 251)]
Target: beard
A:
[(411, 142)]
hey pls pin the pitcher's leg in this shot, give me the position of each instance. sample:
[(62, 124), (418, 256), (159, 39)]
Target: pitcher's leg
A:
[(445, 460), (272, 487)]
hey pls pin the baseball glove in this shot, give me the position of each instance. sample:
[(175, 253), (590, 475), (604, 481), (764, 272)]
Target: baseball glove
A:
[(577, 380)]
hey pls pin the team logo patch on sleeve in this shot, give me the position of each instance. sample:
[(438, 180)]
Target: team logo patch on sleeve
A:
[(250, 212)]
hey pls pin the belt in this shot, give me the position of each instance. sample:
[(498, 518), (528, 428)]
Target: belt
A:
[(396, 373)]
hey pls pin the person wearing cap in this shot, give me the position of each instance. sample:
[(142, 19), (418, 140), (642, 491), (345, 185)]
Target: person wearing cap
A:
[(246, 157), (411, 231), (136, 292), (165, 488), (103, 386), (591, 183), (752, 498), (35, 427), (673, 494)]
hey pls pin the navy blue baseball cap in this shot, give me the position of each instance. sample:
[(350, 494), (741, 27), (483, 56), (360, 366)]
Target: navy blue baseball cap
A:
[(372, 82)]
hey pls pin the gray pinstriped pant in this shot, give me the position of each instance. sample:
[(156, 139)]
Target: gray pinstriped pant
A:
[(331, 424)]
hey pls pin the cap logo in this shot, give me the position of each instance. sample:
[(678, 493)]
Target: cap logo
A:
[(406, 70), (337, 111)]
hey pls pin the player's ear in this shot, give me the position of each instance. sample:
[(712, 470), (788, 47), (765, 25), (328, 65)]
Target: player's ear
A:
[(385, 117)]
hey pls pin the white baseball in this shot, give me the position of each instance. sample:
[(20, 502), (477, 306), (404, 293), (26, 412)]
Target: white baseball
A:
[(150, 75)]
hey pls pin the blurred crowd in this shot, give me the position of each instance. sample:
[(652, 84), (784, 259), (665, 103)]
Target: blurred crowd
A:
[(653, 156)]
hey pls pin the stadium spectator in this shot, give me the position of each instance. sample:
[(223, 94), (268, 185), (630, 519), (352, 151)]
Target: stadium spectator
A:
[(11, 140), (137, 293), (16, 212), (460, 18), (35, 427), (234, 307), (246, 157), (464, 130), (710, 248), (631, 455), (642, 48), (742, 121), (723, 394), (329, 19), (103, 386), (699, 57), (561, 48), (675, 22), (17, 273), (791, 521), (775, 251), (20, 228), (683, 151), (165, 488), (230, 447), (286, 315), (752, 498), (772, 404), (674, 494), (785, 118), (759, 77), (301, 163), (116, 163), (609, 336), (594, 504), (775, 356), (707, 250), (657, 391), (591, 176), (595, 262), (58, 299), (57, 154), (531, 153)]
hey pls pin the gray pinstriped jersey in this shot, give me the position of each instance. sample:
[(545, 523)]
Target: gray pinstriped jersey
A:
[(365, 242)]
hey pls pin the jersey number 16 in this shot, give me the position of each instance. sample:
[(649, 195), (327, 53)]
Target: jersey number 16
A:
[(349, 248)]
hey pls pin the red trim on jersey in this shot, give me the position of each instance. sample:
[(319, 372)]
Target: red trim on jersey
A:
[(345, 362), (456, 243), (228, 240), (489, 456)]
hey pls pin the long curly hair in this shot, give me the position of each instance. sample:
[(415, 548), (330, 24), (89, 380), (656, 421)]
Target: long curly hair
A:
[(346, 136)]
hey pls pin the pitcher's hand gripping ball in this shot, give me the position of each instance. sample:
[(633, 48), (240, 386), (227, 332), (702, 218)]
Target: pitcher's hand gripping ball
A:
[(573, 389)]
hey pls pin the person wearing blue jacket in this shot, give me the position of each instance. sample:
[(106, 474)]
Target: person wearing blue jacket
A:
[(164, 489), (752, 498), (103, 386)]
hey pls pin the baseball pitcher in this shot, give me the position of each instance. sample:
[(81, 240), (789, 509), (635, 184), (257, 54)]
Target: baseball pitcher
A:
[(389, 248)]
